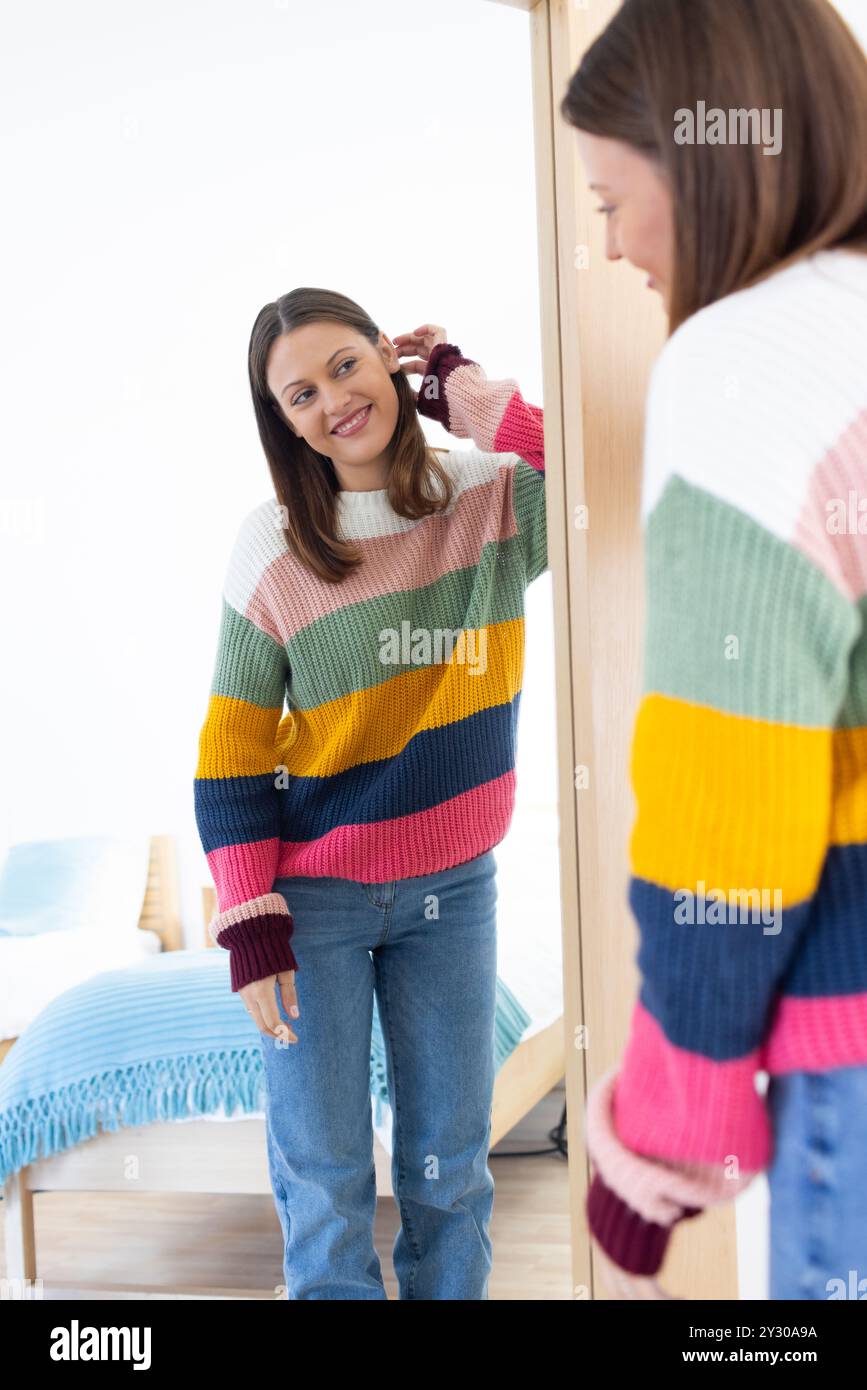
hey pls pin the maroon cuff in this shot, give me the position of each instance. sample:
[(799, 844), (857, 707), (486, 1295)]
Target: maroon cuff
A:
[(636, 1245), (443, 359), (259, 948)]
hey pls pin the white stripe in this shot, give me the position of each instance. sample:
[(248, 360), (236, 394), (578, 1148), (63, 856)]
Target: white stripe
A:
[(365, 514), (749, 394), (259, 542)]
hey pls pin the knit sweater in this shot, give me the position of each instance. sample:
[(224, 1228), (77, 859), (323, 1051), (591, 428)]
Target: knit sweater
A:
[(748, 852), (395, 754)]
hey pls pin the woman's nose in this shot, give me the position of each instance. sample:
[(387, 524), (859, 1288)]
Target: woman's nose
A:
[(612, 250), (336, 405)]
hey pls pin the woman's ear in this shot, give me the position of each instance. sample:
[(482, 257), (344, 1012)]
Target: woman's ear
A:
[(389, 353)]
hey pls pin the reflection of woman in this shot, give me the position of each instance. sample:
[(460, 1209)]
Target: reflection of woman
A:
[(749, 758), (384, 600)]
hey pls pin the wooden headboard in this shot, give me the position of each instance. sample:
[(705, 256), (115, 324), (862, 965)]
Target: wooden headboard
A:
[(161, 912), (209, 907)]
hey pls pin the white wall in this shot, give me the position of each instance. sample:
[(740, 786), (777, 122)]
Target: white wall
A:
[(169, 168), (855, 14)]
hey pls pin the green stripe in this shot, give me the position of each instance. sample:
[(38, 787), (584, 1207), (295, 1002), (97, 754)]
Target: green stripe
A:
[(712, 574), (854, 712), (250, 665), (339, 654), (528, 500)]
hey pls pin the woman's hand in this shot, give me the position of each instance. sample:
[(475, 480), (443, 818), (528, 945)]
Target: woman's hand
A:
[(259, 1001), (422, 341), (623, 1286)]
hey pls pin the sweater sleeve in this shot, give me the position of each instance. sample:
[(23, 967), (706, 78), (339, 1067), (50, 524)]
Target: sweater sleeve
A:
[(747, 645), (237, 800), (458, 395)]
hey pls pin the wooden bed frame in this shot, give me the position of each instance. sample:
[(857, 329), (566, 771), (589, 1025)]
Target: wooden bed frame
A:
[(211, 1156)]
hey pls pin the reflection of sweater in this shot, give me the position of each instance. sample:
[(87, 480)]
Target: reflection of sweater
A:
[(396, 756), (749, 756)]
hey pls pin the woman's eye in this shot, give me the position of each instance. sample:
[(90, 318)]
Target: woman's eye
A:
[(605, 209), (299, 399)]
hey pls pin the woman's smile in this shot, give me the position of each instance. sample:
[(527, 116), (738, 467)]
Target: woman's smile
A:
[(354, 423)]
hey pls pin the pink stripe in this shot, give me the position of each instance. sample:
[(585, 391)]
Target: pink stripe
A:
[(240, 871), (843, 470), (407, 846), (521, 432), (671, 1103), (476, 405), (817, 1034), (659, 1192), (436, 546)]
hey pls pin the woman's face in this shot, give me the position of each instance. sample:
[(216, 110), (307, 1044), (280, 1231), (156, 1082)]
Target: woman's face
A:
[(636, 200), (322, 375)]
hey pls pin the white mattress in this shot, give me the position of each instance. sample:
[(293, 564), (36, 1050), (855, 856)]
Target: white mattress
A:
[(35, 969)]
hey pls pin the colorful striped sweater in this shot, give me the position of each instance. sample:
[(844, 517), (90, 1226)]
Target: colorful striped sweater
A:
[(749, 756), (395, 754)]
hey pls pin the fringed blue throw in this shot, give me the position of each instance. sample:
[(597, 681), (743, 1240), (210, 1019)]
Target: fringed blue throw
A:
[(163, 1039)]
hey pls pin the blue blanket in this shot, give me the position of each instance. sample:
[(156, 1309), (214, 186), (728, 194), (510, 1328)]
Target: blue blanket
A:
[(159, 1040)]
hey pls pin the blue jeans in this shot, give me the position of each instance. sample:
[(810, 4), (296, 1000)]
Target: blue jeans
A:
[(428, 947), (818, 1184)]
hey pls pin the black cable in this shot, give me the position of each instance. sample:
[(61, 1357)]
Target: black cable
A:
[(560, 1143)]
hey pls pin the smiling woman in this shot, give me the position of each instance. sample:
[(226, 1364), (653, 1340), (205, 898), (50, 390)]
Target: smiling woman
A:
[(316, 361), (335, 400), (359, 828)]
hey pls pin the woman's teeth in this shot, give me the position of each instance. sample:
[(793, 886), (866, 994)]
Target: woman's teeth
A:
[(350, 424)]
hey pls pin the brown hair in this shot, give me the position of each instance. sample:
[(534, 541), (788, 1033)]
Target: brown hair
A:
[(739, 214), (305, 482)]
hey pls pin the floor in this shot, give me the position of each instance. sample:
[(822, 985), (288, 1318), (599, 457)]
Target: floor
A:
[(231, 1247)]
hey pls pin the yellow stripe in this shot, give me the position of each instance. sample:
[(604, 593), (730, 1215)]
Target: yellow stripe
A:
[(380, 721), (241, 740), (731, 801), (849, 817), (237, 739)]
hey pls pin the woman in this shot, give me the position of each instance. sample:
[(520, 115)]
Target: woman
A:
[(749, 760), (381, 593)]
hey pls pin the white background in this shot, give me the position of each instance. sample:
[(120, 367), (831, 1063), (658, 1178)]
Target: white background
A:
[(169, 169)]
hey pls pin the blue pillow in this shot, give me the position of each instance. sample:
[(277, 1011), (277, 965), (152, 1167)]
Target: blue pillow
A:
[(94, 881)]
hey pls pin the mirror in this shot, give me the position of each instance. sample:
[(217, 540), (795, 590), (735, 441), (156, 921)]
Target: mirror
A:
[(193, 168)]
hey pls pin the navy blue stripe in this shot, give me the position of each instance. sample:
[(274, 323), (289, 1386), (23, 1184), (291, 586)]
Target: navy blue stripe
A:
[(710, 986), (436, 765), (832, 958)]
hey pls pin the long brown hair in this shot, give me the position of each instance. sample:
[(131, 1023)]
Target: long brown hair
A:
[(739, 214), (305, 482)]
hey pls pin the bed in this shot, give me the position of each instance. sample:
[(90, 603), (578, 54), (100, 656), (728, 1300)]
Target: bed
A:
[(208, 1136), (51, 963)]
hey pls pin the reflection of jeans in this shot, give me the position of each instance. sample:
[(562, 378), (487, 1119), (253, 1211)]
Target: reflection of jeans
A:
[(428, 946), (818, 1184)]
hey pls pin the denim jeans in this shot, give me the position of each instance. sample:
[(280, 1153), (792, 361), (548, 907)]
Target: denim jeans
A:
[(427, 946), (818, 1184)]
